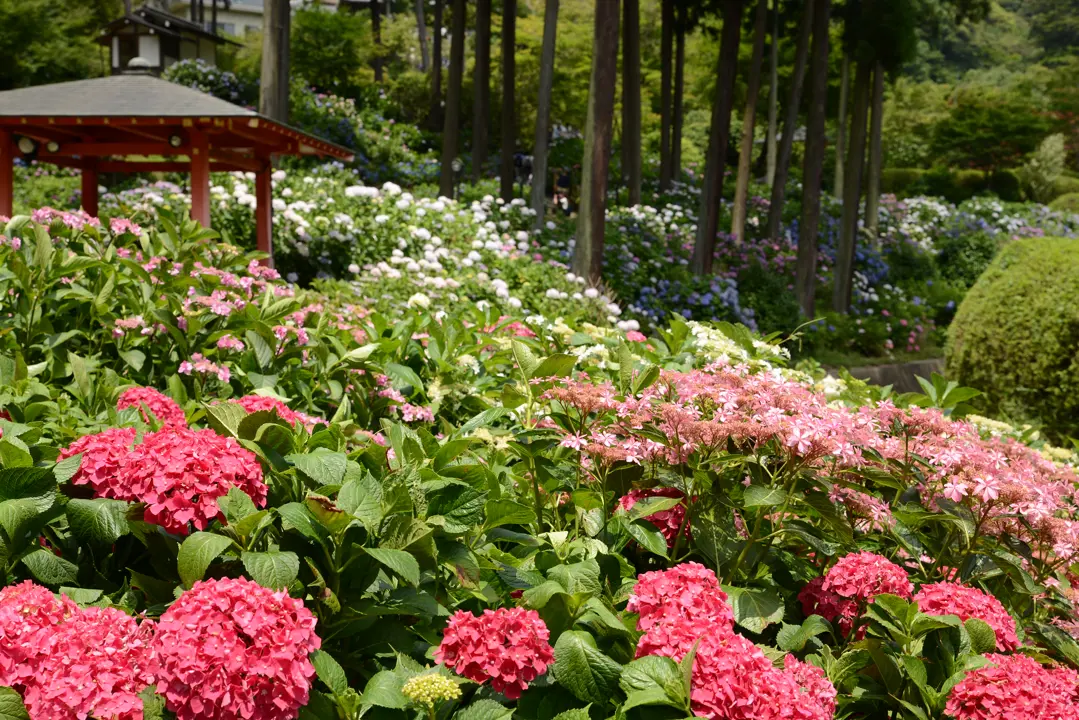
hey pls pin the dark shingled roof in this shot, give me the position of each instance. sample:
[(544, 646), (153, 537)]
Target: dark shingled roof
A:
[(118, 95)]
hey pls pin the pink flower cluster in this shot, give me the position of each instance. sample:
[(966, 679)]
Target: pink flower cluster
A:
[(508, 646), (668, 521), (70, 663), (231, 649), (1015, 687), (76, 220), (202, 366), (179, 473), (947, 598), (841, 594), (259, 403), (119, 226), (732, 677), (160, 406)]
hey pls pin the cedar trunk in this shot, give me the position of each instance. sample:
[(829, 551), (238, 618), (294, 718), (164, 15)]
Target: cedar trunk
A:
[(872, 191), (665, 64), (481, 92), (749, 121), (421, 28), (848, 231), (773, 96), (790, 124), (679, 86), (509, 101), (715, 163), (436, 69), (451, 126), (274, 87), (805, 283), (631, 99), (588, 253), (376, 33), (543, 113), (841, 132)]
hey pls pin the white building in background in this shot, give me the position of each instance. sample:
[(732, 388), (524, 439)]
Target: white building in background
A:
[(235, 18), (159, 37)]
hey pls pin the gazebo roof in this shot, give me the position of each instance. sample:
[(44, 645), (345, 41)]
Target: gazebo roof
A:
[(159, 21)]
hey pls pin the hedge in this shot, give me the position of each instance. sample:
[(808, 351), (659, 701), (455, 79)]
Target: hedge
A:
[(953, 185)]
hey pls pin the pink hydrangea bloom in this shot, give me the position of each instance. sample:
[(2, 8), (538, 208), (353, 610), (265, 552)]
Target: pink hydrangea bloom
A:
[(669, 521), (98, 662), (230, 649), (101, 457), (119, 226), (230, 342), (1014, 687), (829, 605), (507, 646), (817, 690), (162, 406), (948, 598), (29, 616), (636, 336), (257, 403), (864, 575), (180, 474), (689, 591)]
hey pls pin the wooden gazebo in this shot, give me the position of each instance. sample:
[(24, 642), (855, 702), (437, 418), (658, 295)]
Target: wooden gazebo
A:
[(138, 123)]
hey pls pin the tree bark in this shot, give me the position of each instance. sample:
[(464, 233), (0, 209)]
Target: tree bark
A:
[(588, 253), (848, 231), (679, 86), (841, 132), (421, 28), (451, 126), (749, 121), (481, 89), (631, 98), (213, 17), (543, 113), (509, 101), (805, 283), (274, 86), (665, 66), (436, 69), (718, 138), (376, 34), (773, 96), (790, 124), (872, 193)]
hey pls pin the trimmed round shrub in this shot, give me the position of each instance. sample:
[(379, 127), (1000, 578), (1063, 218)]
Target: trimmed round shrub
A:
[(1068, 203), (1016, 334), (963, 257)]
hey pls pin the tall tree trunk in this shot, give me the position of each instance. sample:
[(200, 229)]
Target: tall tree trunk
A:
[(665, 64), (436, 69), (872, 192), (481, 89), (749, 121), (451, 126), (588, 253), (773, 96), (631, 98), (718, 138), (848, 231), (679, 86), (274, 86), (805, 283), (543, 113), (376, 34), (509, 101), (841, 132), (421, 28), (790, 124), (213, 17)]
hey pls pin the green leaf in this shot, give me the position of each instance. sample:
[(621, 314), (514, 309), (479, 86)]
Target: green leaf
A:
[(272, 569), (574, 714), (557, 365), (650, 506), (225, 418), (81, 373), (507, 512), (329, 671), (650, 671), (583, 670), (399, 561), (28, 482), (484, 709), (263, 352), (197, 553), (460, 504), (764, 496), (323, 466), (384, 690), (362, 498), (526, 360), (100, 520), (11, 706), (982, 637), (66, 468), (236, 505), (715, 535), (793, 638), (403, 376), (50, 569), (755, 608), (649, 536), (483, 419), (153, 705)]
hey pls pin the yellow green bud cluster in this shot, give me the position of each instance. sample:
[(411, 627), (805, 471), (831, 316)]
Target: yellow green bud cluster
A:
[(430, 689)]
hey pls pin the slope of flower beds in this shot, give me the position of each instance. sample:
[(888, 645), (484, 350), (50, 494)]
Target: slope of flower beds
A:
[(222, 496)]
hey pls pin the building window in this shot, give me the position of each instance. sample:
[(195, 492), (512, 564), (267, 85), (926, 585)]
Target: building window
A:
[(129, 49), (170, 50), (226, 28)]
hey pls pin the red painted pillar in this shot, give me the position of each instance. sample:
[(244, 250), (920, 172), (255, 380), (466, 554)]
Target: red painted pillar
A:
[(264, 211), (7, 174), (89, 189), (200, 178)]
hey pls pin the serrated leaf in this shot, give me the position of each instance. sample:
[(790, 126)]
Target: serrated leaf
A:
[(100, 520), (649, 536), (403, 376), (384, 690), (583, 670), (557, 365), (196, 554), (225, 418), (399, 561), (49, 569), (323, 466), (329, 671), (755, 608), (764, 496), (362, 498), (507, 512), (272, 569), (11, 705), (484, 709), (525, 358), (983, 639), (793, 638)]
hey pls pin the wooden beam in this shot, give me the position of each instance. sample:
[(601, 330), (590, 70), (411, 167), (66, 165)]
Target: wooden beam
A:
[(264, 211), (89, 190), (7, 173), (248, 164), (130, 166), (200, 177), (106, 149)]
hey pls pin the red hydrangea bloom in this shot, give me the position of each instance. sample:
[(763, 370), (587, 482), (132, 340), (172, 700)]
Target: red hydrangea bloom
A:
[(864, 575), (256, 403), (230, 649), (162, 406), (668, 521), (829, 605), (689, 591), (29, 615), (1015, 687), (98, 662), (817, 690), (948, 598), (101, 457), (507, 646), (180, 474)]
